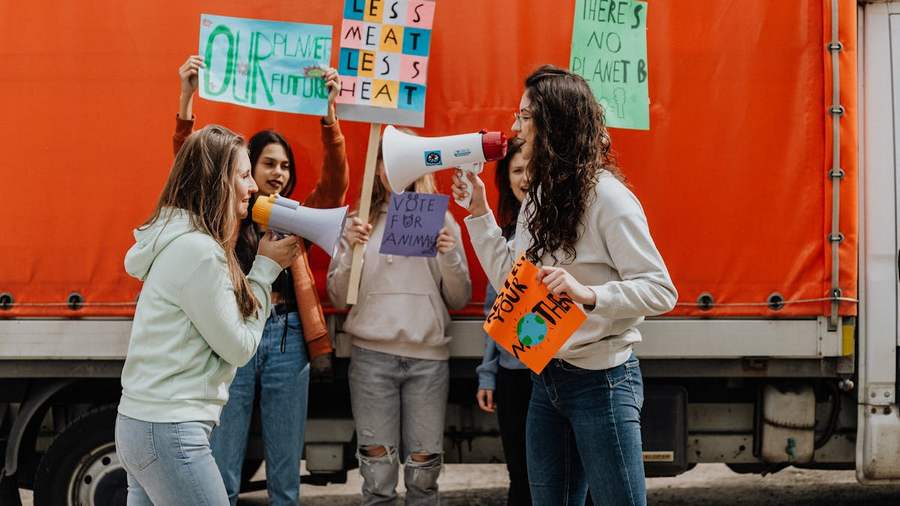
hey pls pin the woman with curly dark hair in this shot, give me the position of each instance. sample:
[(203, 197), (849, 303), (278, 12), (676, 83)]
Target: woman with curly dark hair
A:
[(588, 233)]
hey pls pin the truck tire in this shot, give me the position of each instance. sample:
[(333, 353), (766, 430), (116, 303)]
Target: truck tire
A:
[(81, 467)]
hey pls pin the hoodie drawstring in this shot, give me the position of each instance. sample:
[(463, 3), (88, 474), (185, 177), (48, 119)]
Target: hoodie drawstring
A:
[(284, 285)]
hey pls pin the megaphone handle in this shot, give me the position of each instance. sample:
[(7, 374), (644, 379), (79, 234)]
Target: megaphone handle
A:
[(474, 168)]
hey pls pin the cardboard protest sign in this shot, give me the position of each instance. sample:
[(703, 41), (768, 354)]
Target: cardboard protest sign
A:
[(609, 49), (269, 65), (413, 223), (530, 322), (383, 61)]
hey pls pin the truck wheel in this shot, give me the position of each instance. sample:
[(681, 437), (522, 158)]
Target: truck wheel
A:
[(81, 467)]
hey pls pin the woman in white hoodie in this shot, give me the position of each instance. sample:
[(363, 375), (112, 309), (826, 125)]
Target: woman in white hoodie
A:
[(197, 319), (399, 376), (590, 236)]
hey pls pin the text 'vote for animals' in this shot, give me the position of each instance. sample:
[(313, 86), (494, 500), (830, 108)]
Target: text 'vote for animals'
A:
[(609, 49), (383, 61), (413, 223), (272, 65), (530, 322)]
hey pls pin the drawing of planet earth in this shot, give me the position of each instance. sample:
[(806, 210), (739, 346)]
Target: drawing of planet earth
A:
[(532, 329)]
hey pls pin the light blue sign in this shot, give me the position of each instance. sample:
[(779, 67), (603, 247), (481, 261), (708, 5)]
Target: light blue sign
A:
[(270, 65)]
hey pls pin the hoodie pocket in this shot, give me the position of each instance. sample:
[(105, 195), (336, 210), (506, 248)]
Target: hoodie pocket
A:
[(217, 381), (399, 316)]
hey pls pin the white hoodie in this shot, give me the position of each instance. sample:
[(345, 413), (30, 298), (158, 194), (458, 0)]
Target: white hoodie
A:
[(614, 256), (188, 335)]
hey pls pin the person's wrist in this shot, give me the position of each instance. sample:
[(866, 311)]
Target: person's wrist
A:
[(588, 298), (330, 118)]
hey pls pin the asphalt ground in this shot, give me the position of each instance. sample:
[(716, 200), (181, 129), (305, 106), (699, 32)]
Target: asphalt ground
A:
[(705, 485)]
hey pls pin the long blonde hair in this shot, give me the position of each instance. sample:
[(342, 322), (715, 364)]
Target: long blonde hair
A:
[(202, 182)]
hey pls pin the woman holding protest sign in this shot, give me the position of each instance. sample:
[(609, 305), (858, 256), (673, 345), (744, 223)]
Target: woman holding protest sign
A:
[(504, 383), (399, 376), (295, 333), (589, 235), (197, 318)]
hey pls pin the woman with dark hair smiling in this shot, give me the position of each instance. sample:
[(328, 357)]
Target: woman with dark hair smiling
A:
[(295, 333), (588, 233)]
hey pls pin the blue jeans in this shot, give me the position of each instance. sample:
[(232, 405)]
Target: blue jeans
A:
[(168, 463), (584, 429), (283, 382)]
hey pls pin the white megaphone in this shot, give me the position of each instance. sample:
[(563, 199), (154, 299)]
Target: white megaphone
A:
[(409, 157), (321, 226)]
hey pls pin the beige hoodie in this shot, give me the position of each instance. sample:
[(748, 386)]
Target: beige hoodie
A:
[(403, 301)]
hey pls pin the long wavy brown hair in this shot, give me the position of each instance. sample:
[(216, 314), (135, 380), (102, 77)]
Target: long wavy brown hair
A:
[(202, 183), (571, 148)]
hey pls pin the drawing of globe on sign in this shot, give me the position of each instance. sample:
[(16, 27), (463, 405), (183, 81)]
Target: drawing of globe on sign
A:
[(532, 329)]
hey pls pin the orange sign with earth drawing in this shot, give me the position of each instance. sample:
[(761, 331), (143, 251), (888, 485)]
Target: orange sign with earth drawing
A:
[(528, 320)]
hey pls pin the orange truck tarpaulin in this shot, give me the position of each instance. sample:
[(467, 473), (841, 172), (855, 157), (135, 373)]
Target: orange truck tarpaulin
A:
[(732, 174), (530, 322)]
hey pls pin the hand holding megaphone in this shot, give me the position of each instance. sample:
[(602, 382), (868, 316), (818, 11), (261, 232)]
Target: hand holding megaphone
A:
[(468, 187), (473, 168), (282, 251)]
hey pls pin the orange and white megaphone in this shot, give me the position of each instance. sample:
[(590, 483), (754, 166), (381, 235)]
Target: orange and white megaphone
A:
[(321, 226), (409, 157)]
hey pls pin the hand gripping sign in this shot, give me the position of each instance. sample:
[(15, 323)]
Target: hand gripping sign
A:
[(530, 322)]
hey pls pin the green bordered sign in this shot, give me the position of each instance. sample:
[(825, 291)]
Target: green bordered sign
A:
[(272, 65), (609, 49)]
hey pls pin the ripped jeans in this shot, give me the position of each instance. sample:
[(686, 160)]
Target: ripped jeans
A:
[(399, 404)]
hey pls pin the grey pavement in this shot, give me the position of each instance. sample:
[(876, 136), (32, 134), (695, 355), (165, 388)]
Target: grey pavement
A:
[(705, 485)]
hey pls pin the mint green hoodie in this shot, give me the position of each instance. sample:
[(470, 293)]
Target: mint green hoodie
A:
[(188, 336)]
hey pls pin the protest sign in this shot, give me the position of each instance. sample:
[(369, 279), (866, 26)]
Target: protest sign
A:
[(270, 65), (528, 320), (413, 223), (609, 49), (383, 60)]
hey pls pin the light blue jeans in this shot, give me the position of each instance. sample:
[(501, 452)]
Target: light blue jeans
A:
[(169, 463), (399, 403), (282, 379)]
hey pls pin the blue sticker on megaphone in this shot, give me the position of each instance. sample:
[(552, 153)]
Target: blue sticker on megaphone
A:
[(433, 158)]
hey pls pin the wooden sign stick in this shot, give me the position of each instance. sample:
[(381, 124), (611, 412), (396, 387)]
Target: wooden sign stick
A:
[(365, 202)]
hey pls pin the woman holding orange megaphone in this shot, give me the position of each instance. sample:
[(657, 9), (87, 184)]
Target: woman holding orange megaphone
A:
[(295, 334)]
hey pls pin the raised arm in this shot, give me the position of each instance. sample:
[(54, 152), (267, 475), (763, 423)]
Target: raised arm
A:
[(332, 186), (184, 121)]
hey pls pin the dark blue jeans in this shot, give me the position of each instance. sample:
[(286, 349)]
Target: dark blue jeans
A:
[(282, 379), (584, 429)]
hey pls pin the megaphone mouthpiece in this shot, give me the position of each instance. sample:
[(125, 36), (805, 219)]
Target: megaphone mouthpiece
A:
[(494, 145)]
